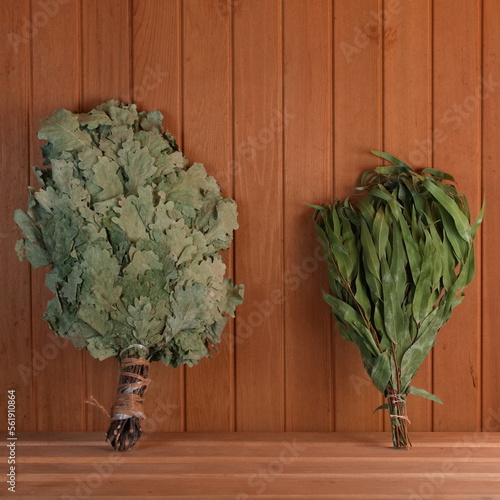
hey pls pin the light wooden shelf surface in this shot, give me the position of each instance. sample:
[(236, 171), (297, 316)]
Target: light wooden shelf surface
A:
[(242, 466)]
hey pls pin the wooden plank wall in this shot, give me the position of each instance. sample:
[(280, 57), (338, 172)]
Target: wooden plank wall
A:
[(282, 101)]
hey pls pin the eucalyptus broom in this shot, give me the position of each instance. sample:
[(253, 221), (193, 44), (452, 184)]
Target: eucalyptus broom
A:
[(398, 259), (132, 235)]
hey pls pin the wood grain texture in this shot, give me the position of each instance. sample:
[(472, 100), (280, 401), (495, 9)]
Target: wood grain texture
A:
[(105, 75), (456, 83), (258, 177), (53, 59), (157, 85), (219, 466), (357, 129), (282, 101), (491, 226), (307, 144), (207, 133), (407, 126), (15, 291), (106, 69)]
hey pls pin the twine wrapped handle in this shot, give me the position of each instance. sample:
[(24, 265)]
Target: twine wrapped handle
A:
[(128, 411), (399, 419)]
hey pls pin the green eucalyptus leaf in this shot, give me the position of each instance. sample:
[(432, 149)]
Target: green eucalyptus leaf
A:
[(380, 233), (479, 220), (381, 371), (451, 234), (398, 260), (439, 174), (367, 211), (345, 313), (459, 218), (424, 394), (418, 351), (369, 253), (390, 158), (395, 327), (385, 406)]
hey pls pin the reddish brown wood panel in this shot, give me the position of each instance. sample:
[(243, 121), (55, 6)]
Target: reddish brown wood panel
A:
[(282, 101), (357, 129), (156, 84), (207, 140), (258, 177), (53, 60), (491, 229), (457, 112), (307, 142), (17, 370)]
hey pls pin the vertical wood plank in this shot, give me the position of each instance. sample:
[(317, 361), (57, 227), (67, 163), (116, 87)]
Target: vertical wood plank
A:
[(105, 75), (457, 374), (106, 71), (156, 85), (88, 49), (258, 177), (407, 126), (15, 295), (491, 227), (307, 179), (357, 129), (57, 364), (207, 139)]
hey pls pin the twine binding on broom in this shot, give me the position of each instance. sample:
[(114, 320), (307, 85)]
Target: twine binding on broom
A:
[(129, 398), (398, 398), (399, 419), (127, 412), (93, 401)]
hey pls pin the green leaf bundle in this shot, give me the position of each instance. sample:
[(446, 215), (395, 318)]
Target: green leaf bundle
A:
[(398, 259), (133, 237)]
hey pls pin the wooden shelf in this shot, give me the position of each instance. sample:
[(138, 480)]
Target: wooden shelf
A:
[(241, 466)]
